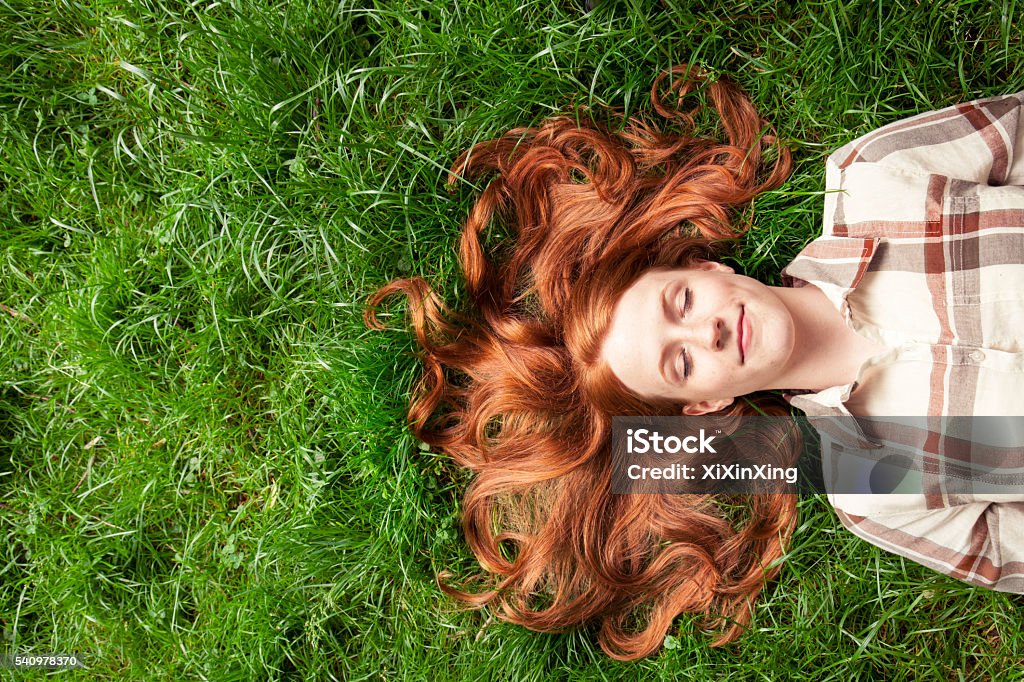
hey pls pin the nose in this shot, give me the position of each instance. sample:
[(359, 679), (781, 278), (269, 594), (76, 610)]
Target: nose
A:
[(708, 333)]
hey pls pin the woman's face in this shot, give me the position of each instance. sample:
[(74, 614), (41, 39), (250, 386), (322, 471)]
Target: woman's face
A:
[(701, 336)]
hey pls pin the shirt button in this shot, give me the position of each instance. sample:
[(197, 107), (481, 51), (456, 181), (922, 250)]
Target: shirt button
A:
[(977, 355)]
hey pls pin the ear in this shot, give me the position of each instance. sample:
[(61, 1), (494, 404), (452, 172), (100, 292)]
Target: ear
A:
[(712, 265), (706, 406)]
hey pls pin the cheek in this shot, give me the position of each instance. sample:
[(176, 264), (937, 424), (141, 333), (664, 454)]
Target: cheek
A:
[(718, 372)]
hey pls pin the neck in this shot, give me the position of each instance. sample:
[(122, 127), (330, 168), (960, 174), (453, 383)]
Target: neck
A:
[(832, 353)]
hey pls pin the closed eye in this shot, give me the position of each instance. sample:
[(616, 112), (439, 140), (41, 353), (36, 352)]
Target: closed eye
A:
[(684, 362), (687, 302)]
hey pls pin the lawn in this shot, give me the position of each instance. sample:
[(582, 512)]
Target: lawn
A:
[(204, 467)]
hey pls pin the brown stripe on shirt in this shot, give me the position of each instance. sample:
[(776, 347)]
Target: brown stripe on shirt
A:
[(934, 253), (986, 127), (933, 205)]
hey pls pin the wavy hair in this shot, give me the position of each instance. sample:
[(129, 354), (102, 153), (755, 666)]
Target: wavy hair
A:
[(514, 389)]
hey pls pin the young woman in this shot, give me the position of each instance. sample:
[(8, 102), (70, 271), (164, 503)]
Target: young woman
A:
[(605, 299)]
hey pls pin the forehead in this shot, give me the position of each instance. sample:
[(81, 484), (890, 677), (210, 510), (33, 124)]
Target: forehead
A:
[(647, 284), (648, 288), (641, 305), (632, 347)]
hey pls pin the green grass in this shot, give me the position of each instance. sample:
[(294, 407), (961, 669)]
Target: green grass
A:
[(204, 471)]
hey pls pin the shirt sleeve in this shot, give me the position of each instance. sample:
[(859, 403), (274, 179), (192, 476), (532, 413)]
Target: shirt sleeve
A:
[(980, 142), (979, 542)]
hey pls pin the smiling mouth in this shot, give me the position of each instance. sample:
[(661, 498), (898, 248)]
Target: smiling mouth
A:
[(739, 335)]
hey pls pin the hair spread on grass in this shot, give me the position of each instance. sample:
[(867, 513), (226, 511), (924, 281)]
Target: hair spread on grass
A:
[(514, 389)]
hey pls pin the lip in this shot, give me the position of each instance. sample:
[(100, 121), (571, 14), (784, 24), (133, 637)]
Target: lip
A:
[(741, 334), (744, 333)]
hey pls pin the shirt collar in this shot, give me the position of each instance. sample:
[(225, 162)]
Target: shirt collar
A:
[(836, 265)]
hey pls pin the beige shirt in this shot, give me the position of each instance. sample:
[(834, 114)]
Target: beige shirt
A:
[(923, 252)]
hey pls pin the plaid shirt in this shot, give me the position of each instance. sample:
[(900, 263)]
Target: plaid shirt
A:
[(923, 252)]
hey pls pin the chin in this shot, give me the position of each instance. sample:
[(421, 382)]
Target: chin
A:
[(771, 361)]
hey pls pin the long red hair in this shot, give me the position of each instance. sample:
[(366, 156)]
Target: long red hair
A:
[(514, 389)]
